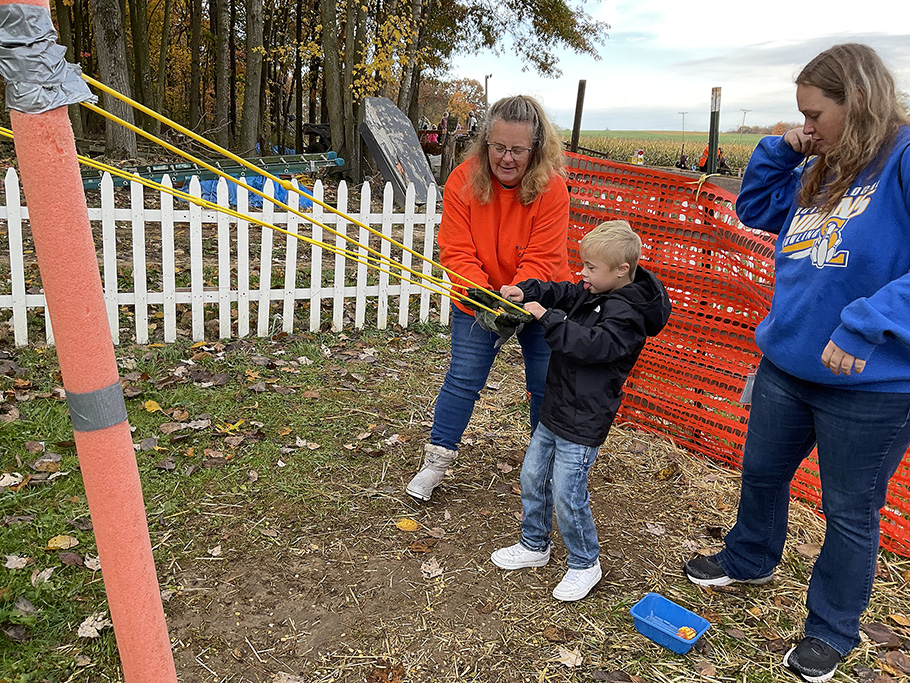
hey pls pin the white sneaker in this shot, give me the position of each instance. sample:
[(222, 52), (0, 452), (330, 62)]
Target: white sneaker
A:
[(577, 583), (518, 557)]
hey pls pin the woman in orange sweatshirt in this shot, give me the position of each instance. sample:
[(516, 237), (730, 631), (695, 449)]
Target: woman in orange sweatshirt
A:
[(505, 219)]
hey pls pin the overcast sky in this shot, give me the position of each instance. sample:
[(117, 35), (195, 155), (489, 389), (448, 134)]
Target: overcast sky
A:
[(664, 56)]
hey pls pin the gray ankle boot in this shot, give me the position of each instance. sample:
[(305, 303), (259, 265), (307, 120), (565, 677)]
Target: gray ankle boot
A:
[(435, 461)]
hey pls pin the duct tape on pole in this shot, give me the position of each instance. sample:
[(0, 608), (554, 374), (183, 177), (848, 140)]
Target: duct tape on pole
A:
[(40, 85)]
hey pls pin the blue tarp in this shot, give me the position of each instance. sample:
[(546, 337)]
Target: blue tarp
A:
[(210, 189)]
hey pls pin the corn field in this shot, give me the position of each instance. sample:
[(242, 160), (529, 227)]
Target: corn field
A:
[(666, 152)]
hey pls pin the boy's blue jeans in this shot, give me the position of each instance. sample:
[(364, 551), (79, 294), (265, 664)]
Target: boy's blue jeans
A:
[(473, 352), (555, 474), (862, 437)]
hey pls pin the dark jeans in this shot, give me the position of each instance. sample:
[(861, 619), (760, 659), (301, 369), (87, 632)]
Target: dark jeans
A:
[(473, 352), (862, 437)]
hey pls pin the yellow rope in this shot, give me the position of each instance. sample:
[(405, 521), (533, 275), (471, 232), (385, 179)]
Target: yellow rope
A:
[(285, 184), (204, 203)]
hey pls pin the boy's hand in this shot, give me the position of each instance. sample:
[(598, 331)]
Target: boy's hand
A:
[(512, 293), (535, 309)]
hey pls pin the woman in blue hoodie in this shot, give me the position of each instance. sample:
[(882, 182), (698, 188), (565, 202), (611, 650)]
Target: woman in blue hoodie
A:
[(836, 342)]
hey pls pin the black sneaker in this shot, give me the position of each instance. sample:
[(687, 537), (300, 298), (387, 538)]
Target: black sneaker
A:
[(812, 660), (706, 571)]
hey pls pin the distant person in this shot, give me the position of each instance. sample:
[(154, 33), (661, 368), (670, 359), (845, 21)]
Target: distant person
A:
[(505, 219), (721, 160), (596, 329), (472, 123), (835, 371)]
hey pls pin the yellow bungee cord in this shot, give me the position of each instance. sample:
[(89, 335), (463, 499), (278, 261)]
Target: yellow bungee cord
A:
[(204, 203), (283, 183)]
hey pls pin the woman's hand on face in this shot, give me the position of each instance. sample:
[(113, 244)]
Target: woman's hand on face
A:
[(840, 362), (799, 141), (512, 293), (535, 309)]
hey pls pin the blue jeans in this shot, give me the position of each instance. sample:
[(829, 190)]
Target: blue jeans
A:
[(473, 352), (555, 474), (862, 437)]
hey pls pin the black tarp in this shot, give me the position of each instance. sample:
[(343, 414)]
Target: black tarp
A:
[(393, 143)]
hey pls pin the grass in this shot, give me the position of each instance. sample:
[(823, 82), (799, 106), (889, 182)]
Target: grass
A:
[(276, 546)]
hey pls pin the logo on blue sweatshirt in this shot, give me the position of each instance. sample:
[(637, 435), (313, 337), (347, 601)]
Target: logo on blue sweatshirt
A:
[(819, 236)]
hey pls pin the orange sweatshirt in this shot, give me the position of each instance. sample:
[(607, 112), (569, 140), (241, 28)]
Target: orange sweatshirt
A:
[(503, 242)]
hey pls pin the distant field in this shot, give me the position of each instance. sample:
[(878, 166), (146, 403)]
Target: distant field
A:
[(663, 148)]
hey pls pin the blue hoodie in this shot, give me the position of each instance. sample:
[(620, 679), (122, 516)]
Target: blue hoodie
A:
[(844, 276)]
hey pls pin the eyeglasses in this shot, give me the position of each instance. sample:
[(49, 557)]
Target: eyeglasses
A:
[(516, 152)]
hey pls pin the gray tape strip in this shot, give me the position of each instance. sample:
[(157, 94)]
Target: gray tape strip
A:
[(38, 77), (97, 409)]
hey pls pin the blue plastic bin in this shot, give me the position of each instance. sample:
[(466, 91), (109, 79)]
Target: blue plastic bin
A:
[(659, 619)]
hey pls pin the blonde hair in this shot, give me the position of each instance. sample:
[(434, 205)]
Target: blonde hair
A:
[(615, 243), (853, 75), (546, 158)]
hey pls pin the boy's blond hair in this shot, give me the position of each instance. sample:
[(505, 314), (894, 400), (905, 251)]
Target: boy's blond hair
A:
[(615, 243)]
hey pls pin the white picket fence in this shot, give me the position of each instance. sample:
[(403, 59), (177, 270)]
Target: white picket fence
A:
[(309, 281)]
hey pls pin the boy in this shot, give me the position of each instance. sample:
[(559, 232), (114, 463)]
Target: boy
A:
[(596, 330)]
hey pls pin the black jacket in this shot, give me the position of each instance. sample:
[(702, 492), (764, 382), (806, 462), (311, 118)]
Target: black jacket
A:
[(595, 344)]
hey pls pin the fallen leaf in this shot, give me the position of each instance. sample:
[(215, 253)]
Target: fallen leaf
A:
[(611, 676), (655, 528), (9, 479), (92, 562), (152, 407), (431, 569), (739, 634), (569, 658), (71, 559), (557, 634), (215, 552), (15, 632), (503, 467), (424, 545), (25, 606), (810, 550), (269, 533), (82, 660), (43, 576), (897, 661), (34, 446), (62, 542), (383, 672), (899, 619), (93, 625), (406, 524), (17, 562), (881, 634), (705, 669)]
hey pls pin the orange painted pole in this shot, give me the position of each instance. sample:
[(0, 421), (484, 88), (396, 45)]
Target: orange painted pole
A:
[(46, 152)]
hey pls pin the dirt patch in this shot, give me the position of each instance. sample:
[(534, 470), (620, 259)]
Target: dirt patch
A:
[(348, 596)]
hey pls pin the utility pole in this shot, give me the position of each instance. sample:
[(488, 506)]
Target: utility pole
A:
[(486, 99), (579, 106), (714, 131), (683, 127), (743, 124)]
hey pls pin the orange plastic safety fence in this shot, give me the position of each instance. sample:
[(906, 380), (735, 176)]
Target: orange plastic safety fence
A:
[(719, 274)]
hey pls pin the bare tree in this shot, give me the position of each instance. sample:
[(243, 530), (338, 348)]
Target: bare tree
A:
[(249, 126), (222, 73), (332, 72), (110, 41)]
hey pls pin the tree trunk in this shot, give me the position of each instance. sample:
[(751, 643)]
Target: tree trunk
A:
[(232, 51), (407, 77), (298, 82), (162, 55), (139, 30), (66, 35), (112, 62), (332, 71), (347, 82), (222, 73), (251, 92), (195, 63)]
